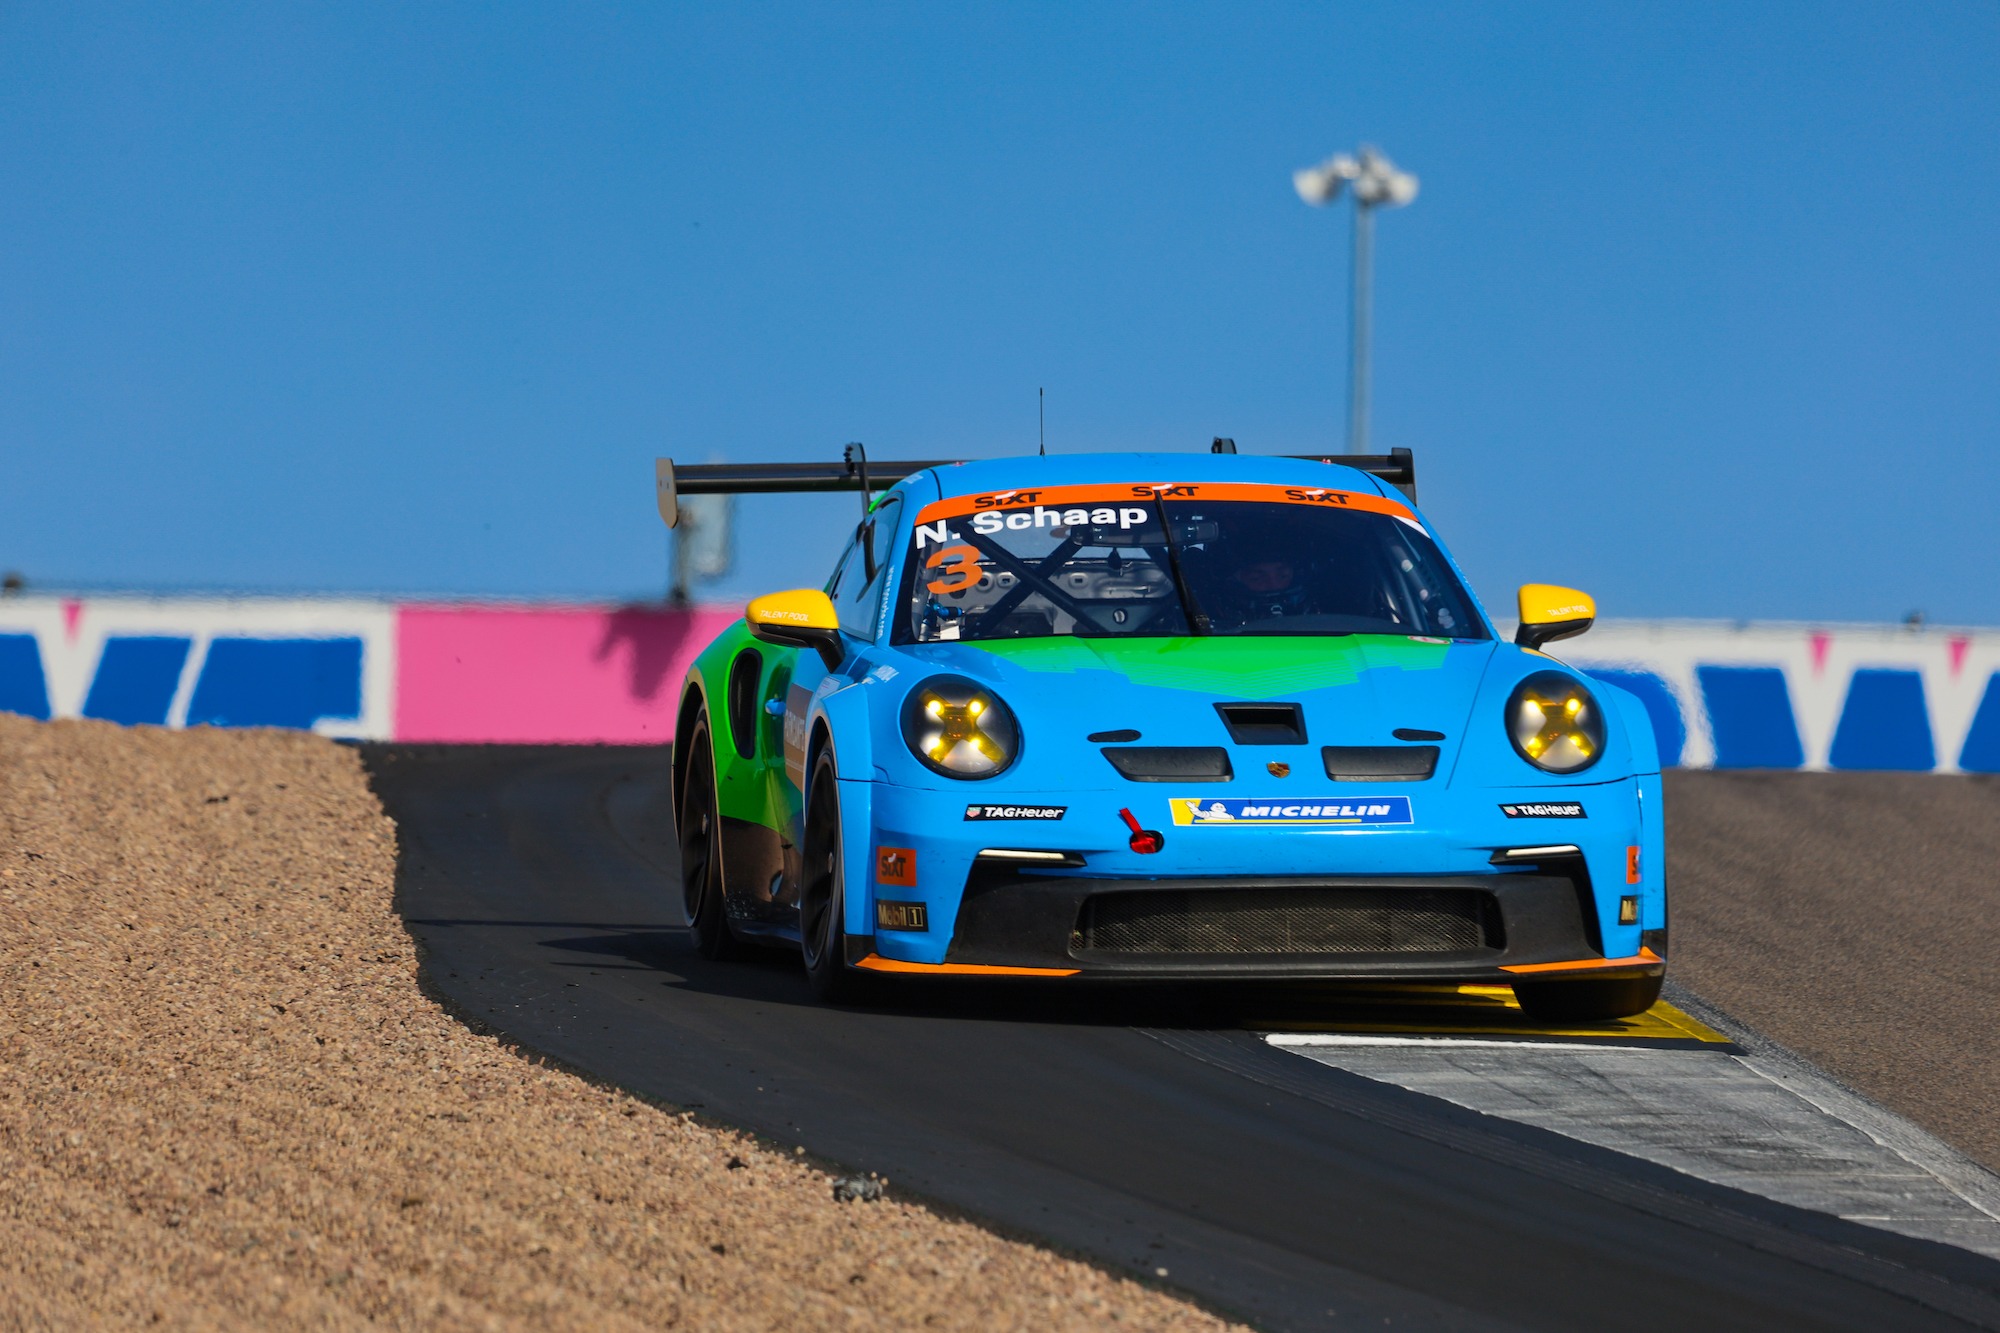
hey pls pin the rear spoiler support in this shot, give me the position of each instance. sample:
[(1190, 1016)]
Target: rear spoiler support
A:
[(1397, 467), (852, 474)]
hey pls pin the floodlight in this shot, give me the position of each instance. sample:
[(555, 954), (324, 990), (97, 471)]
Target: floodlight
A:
[(1377, 182), (1320, 185)]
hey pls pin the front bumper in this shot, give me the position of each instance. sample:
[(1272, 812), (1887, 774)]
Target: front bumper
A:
[(1506, 919)]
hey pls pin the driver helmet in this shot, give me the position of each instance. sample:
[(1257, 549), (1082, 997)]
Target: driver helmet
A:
[(1266, 577)]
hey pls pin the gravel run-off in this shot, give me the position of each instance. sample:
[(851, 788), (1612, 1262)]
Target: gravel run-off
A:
[(225, 1101), (1850, 916)]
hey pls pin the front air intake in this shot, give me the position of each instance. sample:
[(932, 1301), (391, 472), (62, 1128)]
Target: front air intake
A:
[(1264, 724), (1300, 920)]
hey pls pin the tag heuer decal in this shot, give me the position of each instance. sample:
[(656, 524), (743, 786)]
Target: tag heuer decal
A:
[(1545, 810), (1016, 811)]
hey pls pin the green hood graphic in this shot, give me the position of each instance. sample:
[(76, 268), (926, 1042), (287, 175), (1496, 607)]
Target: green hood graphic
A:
[(1235, 667)]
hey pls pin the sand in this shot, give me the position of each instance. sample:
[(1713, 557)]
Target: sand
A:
[(225, 1101)]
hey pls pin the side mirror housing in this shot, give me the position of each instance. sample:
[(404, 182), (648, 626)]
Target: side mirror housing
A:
[(801, 618), (1549, 613)]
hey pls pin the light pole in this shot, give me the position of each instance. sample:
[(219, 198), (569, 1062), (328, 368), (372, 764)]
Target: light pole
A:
[(1376, 182)]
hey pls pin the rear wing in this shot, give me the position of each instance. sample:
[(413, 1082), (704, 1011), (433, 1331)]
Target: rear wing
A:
[(852, 473), (855, 473)]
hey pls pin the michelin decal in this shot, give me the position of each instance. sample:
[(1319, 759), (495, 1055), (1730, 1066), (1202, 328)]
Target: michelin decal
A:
[(1249, 811)]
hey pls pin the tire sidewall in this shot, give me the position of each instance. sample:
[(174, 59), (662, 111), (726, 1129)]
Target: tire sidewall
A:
[(706, 912), (826, 959)]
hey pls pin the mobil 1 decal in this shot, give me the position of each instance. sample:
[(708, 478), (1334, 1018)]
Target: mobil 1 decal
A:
[(1256, 812), (1016, 811), (1545, 810)]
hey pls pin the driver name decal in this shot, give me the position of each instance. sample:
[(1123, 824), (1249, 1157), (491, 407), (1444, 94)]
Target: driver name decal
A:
[(1251, 812), (991, 521), (987, 522)]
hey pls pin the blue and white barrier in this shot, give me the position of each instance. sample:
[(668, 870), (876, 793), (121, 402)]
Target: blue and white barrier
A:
[(1776, 695), (319, 665), (1720, 695)]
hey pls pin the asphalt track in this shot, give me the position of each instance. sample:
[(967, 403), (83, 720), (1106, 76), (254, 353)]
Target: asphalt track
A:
[(1148, 1130)]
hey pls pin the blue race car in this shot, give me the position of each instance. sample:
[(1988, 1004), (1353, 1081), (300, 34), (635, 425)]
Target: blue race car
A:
[(1155, 716)]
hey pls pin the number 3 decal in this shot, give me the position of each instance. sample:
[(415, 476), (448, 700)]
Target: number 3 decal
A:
[(960, 561)]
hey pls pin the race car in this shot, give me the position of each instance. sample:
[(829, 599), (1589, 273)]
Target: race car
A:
[(1157, 716)]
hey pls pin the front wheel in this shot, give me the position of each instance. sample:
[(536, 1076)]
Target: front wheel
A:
[(1587, 1001), (823, 893)]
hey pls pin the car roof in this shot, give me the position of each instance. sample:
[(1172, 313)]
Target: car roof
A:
[(997, 474)]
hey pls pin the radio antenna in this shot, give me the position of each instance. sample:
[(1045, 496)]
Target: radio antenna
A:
[(1042, 421)]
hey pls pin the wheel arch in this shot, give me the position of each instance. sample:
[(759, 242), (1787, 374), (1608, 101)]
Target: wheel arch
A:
[(857, 844), (844, 724), (693, 704), (820, 742)]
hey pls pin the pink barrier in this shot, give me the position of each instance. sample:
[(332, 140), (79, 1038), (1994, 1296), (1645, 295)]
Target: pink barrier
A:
[(575, 675)]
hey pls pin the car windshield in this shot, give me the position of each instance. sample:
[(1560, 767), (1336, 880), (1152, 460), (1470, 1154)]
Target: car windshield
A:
[(1161, 560)]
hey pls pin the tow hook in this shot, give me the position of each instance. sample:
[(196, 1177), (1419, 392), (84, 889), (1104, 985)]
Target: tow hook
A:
[(1145, 841)]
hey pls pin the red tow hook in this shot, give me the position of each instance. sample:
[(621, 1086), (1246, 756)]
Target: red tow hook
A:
[(1145, 841)]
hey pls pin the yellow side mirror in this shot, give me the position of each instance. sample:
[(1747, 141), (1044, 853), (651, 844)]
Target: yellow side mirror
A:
[(801, 618), (1549, 613)]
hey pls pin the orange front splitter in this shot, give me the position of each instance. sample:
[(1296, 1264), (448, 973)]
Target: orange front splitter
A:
[(875, 962), (1643, 958)]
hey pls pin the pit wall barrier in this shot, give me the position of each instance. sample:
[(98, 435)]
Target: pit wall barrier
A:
[(1720, 695)]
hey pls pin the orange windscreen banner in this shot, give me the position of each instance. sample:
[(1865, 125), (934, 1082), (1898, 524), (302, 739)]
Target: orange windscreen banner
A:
[(1090, 498)]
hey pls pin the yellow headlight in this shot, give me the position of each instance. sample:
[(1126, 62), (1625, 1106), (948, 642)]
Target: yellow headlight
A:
[(1555, 723), (959, 728)]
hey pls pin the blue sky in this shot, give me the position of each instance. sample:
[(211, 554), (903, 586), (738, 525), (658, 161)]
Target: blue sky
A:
[(1699, 308)]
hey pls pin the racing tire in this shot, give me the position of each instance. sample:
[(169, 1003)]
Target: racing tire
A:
[(1587, 1001), (823, 894), (699, 825)]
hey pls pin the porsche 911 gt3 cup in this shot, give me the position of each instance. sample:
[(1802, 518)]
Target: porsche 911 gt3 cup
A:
[(1163, 716)]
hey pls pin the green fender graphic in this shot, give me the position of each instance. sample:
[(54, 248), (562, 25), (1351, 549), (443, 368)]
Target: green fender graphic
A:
[(753, 789)]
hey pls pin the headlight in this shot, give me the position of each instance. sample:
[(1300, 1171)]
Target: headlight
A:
[(960, 728), (1555, 723)]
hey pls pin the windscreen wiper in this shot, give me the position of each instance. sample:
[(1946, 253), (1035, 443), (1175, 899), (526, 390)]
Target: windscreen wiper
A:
[(1197, 618)]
